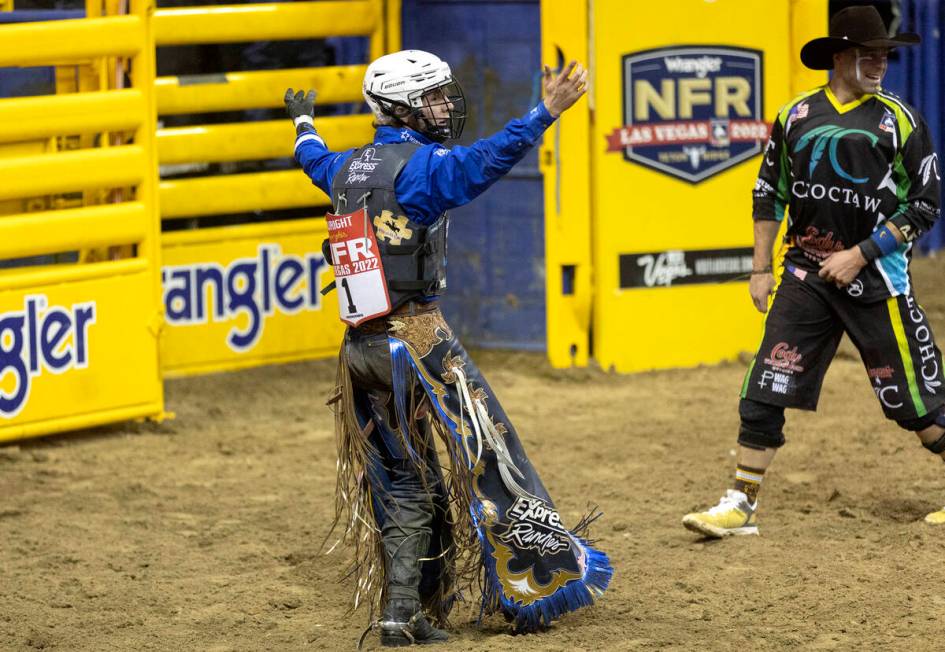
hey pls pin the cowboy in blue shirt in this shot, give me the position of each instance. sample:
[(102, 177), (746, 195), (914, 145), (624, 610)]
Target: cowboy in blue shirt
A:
[(389, 200)]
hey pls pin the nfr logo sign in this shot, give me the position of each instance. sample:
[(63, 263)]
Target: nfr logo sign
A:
[(691, 111)]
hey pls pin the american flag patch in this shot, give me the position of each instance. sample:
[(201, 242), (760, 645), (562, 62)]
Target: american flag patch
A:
[(799, 273), (798, 112)]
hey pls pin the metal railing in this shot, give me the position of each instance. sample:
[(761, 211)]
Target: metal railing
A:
[(118, 334)]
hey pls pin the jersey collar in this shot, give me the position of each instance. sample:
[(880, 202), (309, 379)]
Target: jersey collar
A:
[(849, 106), (387, 135)]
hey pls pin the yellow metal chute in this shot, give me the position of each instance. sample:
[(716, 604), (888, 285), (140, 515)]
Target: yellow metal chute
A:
[(79, 342), (199, 339)]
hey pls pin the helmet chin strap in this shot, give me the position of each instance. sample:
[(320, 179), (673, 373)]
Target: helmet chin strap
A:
[(417, 120), (414, 120), (425, 125), (431, 129)]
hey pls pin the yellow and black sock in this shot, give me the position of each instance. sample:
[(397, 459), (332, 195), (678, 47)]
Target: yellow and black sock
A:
[(748, 481)]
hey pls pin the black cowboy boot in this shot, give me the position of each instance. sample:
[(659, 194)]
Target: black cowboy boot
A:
[(403, 623), (406, 539)]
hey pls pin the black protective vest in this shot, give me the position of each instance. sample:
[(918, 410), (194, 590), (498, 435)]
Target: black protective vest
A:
[(413, 255)]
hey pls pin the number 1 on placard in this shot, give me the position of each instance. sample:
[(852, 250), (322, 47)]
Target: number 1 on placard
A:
[(351, 307)]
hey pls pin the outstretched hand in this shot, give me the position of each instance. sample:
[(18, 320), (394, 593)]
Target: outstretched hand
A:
[(564, 89), (299, 104)]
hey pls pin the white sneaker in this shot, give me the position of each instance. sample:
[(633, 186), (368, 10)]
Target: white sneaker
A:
[(936, 518), (733, 516)]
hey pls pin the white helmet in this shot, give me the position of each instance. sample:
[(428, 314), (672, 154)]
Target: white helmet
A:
[(404, 79)]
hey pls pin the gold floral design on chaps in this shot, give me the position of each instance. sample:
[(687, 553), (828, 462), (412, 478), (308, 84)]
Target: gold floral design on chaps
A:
[(421, 332)]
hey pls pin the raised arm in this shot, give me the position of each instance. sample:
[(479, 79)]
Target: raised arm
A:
[(437, 179), (318, 162)]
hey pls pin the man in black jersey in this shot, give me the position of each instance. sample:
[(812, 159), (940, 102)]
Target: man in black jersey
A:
[(852, 168)]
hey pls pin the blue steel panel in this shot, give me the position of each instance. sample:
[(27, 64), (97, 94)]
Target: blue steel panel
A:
[(36, 15), (25, 82), (916, 75), (496, 295), (34, 80)]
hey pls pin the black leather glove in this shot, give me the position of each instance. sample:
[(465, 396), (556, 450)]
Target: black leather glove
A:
[(301, 109), (299, 104)]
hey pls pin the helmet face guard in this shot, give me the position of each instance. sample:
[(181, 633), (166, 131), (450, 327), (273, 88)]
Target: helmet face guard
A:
[(439, 110), (442, 111)]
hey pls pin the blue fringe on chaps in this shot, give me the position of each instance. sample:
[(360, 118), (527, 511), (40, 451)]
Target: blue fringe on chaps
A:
[(491, 517)]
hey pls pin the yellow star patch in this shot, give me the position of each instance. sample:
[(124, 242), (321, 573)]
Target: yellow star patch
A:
[(392, 229)]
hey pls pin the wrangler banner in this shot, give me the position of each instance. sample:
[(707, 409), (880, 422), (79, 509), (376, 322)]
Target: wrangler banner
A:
[(247, 295), (58, 350)]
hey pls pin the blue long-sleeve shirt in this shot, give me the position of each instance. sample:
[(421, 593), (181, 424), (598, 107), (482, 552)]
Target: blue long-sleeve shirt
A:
[(436, 178)]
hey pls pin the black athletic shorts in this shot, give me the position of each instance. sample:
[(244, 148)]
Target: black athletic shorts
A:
[(803, 328)]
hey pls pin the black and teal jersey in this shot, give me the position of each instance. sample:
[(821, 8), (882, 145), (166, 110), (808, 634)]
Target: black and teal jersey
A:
[(839, 171)]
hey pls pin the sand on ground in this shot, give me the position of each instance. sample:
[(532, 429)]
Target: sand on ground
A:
[(202, 533)]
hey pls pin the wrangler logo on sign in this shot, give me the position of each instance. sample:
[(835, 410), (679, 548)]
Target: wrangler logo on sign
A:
[(251, 288), (40, 338), (691, 111)]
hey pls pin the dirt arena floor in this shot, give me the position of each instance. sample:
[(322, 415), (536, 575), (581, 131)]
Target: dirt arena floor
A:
[(202, 533)]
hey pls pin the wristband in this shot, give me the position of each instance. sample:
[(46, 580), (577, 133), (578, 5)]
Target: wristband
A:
[(307, 119), (885, 239), (881, 243), (764, 270)]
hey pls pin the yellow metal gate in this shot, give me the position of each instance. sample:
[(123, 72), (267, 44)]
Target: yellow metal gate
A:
[(244, 295), (648, 191), (79, 341)]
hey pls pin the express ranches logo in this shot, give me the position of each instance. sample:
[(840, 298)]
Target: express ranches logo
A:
[(40, 339), (253, 287), (691, 111), (535, 525)]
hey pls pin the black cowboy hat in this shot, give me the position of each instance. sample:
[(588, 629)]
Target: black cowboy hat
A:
[(850, 28)]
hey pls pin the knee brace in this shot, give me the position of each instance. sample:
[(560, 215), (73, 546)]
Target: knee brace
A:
[(921, 423), (762, 424)]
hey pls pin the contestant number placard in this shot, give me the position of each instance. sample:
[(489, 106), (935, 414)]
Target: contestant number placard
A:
[(359, 273)]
